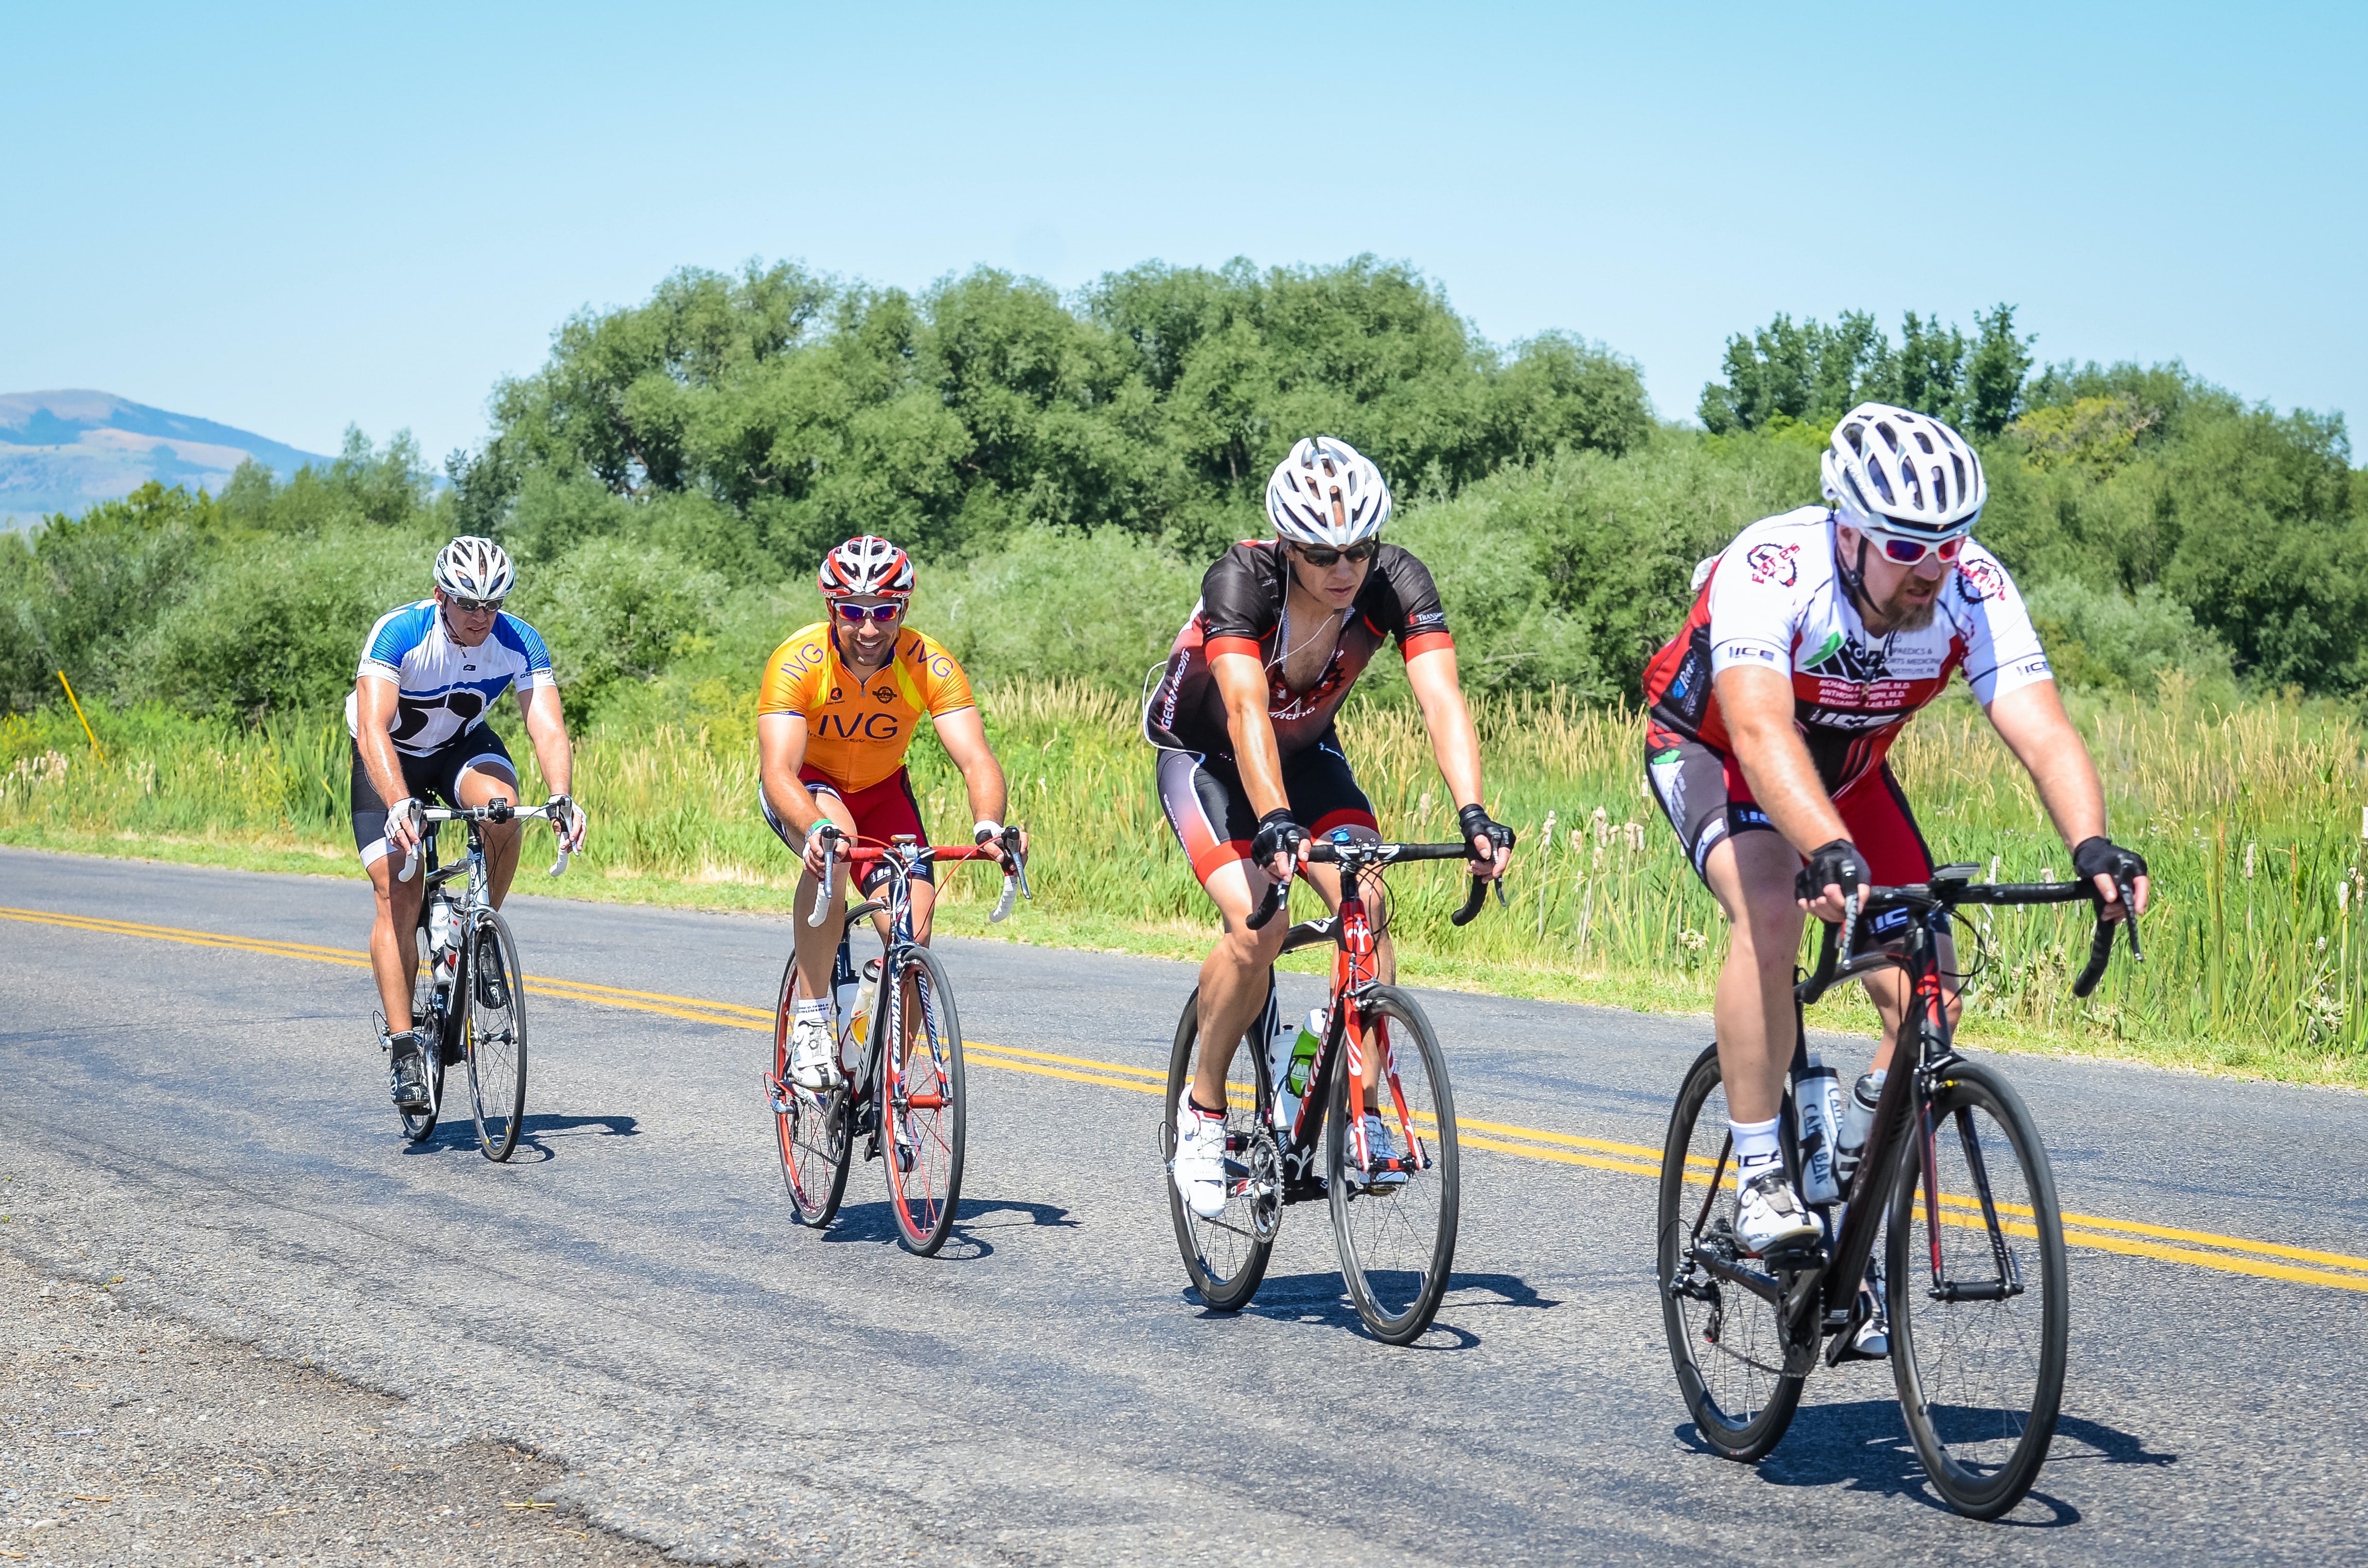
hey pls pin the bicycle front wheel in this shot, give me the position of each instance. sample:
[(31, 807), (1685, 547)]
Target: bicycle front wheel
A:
[(1226, 1258), (494, 1008), (812, 1127), (923, 1105), (428, 1020), (1979, 1298), (1728, 1344), (1394, 1213)]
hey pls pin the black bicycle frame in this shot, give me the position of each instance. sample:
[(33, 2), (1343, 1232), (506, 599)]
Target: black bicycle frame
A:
[(1920, 1059)]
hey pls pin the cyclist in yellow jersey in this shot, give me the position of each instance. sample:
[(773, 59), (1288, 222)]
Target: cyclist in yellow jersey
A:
[(840, 703)]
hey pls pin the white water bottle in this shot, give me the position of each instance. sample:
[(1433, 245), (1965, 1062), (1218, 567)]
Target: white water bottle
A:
[(1858, 1117), (866, 993), (1816, 1105), (443, 932)]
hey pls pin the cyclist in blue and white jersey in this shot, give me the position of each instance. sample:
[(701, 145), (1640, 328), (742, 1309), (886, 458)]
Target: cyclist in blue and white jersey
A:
[(430, 672)]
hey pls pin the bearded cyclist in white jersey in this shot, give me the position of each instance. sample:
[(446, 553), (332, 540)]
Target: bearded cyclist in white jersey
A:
[(1815, 637), (430, 673)]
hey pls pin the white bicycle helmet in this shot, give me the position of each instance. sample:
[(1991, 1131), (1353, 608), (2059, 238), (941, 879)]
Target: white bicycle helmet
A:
[(866, 566), (474, 568), (1892, 470), (1326, 493)]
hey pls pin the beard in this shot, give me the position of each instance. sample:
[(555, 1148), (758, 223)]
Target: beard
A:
[(1905, 617)]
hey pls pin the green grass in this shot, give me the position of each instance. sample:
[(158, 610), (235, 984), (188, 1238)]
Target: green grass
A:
[(2250, 814)]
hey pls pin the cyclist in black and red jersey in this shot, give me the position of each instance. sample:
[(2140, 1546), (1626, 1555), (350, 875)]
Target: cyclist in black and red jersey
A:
[(1814, 637), (1249, 763)]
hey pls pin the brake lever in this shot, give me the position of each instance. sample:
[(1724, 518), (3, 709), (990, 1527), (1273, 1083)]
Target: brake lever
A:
[(1276, 896), (2130, 916)]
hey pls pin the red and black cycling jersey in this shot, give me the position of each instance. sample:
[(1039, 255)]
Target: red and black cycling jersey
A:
[(1242, 611)]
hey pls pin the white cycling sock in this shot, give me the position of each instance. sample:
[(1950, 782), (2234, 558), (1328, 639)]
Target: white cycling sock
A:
[(1756, 1149), (813, 1007)]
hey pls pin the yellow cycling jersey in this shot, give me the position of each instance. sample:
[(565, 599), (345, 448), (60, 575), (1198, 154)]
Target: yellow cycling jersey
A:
[(857, 731)]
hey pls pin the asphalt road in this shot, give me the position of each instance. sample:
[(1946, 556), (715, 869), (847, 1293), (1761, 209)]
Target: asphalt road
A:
[(629, 1302)]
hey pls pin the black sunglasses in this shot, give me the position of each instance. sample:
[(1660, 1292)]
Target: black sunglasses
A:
[(1325, 555), (472, 607)]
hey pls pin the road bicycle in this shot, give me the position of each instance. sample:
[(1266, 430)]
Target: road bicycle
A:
[(1973, 1277), (467, 999), (902, 995), (1393, 1218)]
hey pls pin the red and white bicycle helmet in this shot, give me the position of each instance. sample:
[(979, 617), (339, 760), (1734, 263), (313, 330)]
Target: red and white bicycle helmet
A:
[(867, 567), (1891, 471), (1326, 493), (474, 568)]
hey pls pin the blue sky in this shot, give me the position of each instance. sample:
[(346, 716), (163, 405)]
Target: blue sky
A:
[(290, 219)]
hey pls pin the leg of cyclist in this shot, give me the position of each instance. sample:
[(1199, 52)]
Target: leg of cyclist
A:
[(1884, 827), (394, 927), (812, 1050), (482, 780)]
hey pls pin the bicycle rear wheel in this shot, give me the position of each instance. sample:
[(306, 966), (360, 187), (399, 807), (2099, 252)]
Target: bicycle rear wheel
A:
[(428, 1021), (1980, 1301), (1226, 1257), (1728, 1344), (1394, 1221), (493, 1010), (922, 1132), (812, 1127)]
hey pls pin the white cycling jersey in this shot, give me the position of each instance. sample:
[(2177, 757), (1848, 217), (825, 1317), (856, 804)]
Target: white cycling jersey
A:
[(441, 689), (1773, 599)]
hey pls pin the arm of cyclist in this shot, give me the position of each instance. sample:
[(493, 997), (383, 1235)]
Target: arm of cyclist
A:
[(1241, 682), (1456, 746), (780, 752), (963, 734), (374, 715), (546, 728), (1757, 704), (2032, 723)]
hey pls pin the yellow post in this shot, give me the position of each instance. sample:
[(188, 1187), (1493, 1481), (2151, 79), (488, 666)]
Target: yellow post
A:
[(78, 713)]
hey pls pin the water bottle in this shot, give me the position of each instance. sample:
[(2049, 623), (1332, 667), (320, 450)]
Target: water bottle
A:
[(1291, 1087), (865, 995), (443, 937), (1849, 1143), (1816, 1105)]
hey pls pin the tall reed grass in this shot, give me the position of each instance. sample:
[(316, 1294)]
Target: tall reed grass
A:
[(2252, 816)]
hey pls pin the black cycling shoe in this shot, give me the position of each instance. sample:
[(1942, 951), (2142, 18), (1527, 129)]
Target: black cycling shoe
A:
[(407, 1073)]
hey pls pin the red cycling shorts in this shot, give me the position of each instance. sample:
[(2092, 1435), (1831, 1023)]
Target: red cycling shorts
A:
[(881, 812), (1706, 800)]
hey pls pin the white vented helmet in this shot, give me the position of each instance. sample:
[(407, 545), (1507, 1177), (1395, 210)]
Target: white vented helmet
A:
[(474, 568), (1326, 493), (1895, 471)]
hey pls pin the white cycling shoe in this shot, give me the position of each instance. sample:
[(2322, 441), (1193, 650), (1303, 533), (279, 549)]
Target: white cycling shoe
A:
[(1380, 1149), (814, 1055), (1769, 1216), (1200, 1163)]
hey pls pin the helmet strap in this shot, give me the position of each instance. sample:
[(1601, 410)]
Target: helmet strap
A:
[(1854, 581)]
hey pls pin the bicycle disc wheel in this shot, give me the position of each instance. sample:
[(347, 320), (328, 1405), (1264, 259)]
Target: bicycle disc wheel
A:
[(1396, 1222), (923, 1144), (1728, 1345), (1226, 1258), (494, 1012), (427, 1020), (1980, 1300), (810, 1128)]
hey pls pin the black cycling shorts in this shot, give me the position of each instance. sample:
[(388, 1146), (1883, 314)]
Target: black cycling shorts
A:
[(1211, 812), (432, 778)]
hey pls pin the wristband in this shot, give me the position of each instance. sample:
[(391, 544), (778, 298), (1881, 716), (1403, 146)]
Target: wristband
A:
[(984, 829)]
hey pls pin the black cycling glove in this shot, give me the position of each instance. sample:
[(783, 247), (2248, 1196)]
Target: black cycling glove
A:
[(1278, 835), (1476, 822), (2100, 856), (1838, 864)]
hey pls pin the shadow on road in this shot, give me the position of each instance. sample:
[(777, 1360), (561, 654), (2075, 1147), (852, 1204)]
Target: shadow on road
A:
[(1324, 1299), (876, 1222), (1864, 1446), (460, 1132)]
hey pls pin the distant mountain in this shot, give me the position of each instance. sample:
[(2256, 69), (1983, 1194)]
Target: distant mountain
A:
[(61, 451)]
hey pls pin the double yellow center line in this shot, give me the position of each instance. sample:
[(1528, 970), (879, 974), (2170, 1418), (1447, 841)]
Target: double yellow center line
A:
[(2201, 1249)]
